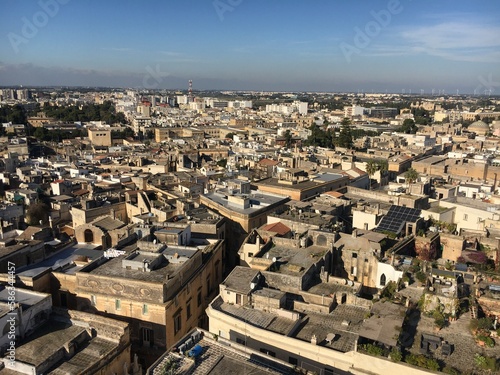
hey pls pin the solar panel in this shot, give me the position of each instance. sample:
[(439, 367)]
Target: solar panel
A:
[(397, 217)]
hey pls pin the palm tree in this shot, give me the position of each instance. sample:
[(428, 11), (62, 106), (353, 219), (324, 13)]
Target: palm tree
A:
[(383, 167), (411, 176), (371, 168)]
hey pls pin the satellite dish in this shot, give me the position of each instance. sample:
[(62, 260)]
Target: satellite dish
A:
[(252, 286), (274, 259)]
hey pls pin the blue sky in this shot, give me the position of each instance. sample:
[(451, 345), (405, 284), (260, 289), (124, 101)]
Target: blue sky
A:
[(284, 45)]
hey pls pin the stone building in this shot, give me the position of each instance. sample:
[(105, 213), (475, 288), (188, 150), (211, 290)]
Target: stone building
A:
[(161, 290)]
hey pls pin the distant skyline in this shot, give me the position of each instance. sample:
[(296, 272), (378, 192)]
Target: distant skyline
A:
[(267, 45)]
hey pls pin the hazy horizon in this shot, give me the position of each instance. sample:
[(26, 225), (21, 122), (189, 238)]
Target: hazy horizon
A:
[(394, 46)]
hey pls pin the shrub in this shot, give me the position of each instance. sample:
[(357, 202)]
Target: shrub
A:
[(451, 371), (396, 355), (486, 363), (422, 361), (480, 324), (372, 349), (421, 276)]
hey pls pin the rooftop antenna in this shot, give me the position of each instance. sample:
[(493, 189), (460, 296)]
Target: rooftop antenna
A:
[(190, 91)]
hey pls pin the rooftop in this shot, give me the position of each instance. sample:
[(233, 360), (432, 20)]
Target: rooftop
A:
[(221, 358), (294, 260), (259, 201)]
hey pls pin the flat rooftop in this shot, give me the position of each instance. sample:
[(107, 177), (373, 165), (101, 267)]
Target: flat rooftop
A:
[(219, 358), (259, 201), (295, 261), (114, 268), (24, 297), (63, 258)]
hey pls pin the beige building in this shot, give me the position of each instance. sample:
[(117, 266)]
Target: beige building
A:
[(161, 290), (321, 338), (100, 137)]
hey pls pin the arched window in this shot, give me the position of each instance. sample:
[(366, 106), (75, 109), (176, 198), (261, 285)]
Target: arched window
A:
[(88, 235), (382, 279)]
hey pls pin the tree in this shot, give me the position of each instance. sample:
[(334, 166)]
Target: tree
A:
[(36, 213), (345, 136), (411, 176), (288, 139), (371, 168), (408, 127)]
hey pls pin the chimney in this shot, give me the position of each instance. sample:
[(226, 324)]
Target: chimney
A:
[(354, 233), (314, 340)]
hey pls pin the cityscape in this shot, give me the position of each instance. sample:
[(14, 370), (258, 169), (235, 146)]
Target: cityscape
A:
[(249, 187)]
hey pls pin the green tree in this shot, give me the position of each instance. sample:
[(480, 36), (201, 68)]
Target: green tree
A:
[(371, 168), (408, 127), (288, 139), (411, 176), (345, 135), (36, 213)]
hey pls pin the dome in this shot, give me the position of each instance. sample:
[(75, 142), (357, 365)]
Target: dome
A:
[(479, 127)]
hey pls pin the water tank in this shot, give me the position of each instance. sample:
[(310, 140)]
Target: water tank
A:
[(196, 351)]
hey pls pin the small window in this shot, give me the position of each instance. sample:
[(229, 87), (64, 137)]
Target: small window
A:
[(145, 309), (199, 298), (293, 361), (188, 310), (466, 217), (354, 255), (177, 323), (118, 304)]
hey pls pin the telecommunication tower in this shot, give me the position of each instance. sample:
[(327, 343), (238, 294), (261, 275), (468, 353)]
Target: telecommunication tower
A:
[(190, 91)]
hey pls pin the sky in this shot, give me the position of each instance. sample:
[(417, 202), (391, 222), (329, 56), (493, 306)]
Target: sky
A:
[(269, 45)]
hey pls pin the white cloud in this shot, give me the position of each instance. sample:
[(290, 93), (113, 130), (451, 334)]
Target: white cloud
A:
[(460, 41)]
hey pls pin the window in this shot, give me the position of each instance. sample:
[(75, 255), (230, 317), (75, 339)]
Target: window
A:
[(209, 289), (145, 309), (354, 255), (147, 336), (382, 280), (366, 226), (177, 323), (241, 341), (466, 217), (366, 260), (293, 361), (199, 297), (250, 255), (118, 304), (93, 300), (64, 299), (188, 309)]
